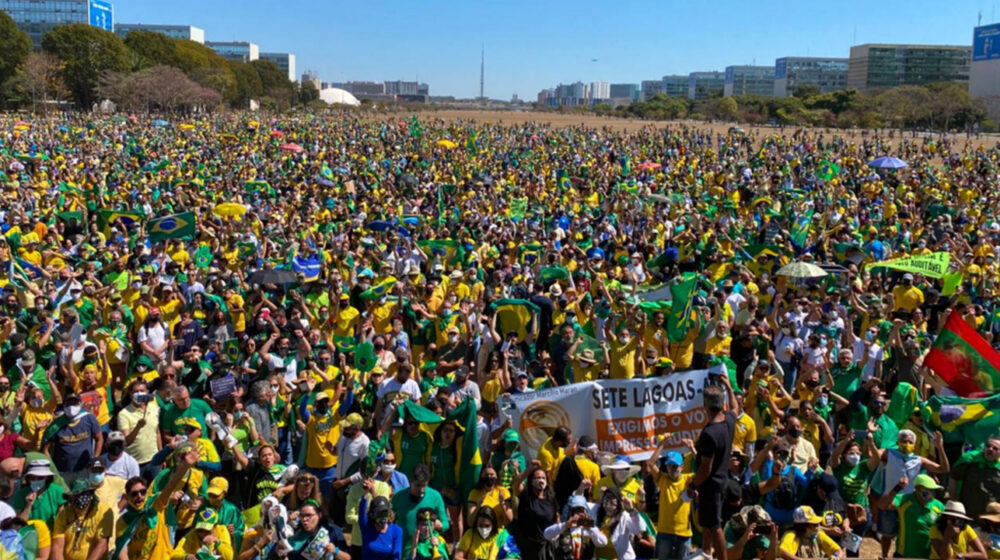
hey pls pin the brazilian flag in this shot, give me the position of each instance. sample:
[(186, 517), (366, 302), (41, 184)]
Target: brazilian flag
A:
[(827, 170), (231, 350), (105, 218), (380, 289), (562, 180), (681, 303), (174, 226), (959, 419)]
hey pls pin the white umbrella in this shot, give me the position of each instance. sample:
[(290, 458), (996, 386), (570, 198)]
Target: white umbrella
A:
[(801, 270)]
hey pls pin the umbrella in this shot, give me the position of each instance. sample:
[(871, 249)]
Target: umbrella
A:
[(186, 126), (230, 209), (801, 270), (887, 162), (447, 144), (277, 133), (649, 165), (253, 124), (294, 148), (272, 276), (660, 198), (159, 122)]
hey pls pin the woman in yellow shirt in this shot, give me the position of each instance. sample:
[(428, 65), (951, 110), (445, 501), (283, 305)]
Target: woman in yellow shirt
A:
[(489, 494), (207, 536), (951, 537)]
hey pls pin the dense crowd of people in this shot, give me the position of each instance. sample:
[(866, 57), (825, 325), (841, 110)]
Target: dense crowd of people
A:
[(230, 338)]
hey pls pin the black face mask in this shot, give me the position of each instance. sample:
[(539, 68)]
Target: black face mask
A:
[(116, 448)]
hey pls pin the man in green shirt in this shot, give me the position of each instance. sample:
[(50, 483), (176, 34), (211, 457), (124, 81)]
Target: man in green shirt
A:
[(975, 479), (183, 406), (846, 375), (417, 497), (917, 513)]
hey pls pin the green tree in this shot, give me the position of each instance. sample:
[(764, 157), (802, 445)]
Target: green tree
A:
[(153, 48), (87, 53), (805, 91), (248, 84), (14, 47), (727, 107), (307, 93), (274, 82)]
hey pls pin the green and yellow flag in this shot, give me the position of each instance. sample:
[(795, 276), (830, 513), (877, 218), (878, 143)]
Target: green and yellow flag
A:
[(174, 226), (681, 303)]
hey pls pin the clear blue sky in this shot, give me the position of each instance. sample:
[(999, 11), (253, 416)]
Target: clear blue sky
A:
[(533, 44)]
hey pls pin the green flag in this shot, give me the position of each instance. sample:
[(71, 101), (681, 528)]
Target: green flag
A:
[(963, 420), (203, 257), (174, 226), (410, 409), (469, 460), (518, 208), (827, 170), (549, 274), (800, 228), (904, 400), (681, 302), (951, 283)]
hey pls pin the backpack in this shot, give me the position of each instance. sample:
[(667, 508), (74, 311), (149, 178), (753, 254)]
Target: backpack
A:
[(785, 496)]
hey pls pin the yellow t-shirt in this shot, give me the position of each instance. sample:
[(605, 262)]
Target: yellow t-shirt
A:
[(170, 312), (822, 545), (347, 321), (42, 530), (32, 417), (549, 457), (745, 432), (961, 547), (477, 548), (319, 432), (491, 390), (907, 299), (207, 451), (623, 359), (382, 316), (675, 511), (493, 499), (190, 544), (81, 535)]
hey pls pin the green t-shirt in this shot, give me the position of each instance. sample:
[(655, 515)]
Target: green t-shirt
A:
[(406, 509), (197, 410), (846, 380), (46, 505), (853, 481), (443, 461), (915, 523), (412, 451)]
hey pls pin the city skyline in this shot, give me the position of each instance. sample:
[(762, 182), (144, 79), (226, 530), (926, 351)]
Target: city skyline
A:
[(530, 47)]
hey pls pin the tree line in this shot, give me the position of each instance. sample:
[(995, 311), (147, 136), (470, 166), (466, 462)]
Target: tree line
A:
[(939, 106), (148, 71)]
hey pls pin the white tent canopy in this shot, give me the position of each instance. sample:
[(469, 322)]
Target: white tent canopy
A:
[(337, 96)]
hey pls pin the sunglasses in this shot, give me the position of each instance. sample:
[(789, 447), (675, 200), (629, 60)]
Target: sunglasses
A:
[(137, 492)]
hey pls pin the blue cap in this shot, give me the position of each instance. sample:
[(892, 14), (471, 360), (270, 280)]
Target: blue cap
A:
[(674, 459), (576, 501)]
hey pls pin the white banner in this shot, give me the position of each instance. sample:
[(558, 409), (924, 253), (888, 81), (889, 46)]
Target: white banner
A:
[(625, 417)]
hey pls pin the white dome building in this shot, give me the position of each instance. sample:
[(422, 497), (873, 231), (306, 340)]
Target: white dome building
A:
[(337, 96)]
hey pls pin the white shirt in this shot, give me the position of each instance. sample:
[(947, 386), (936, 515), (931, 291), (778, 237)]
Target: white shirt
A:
[(155, 335), (349, 451), (392, 385), (875, 356), (125, 467)]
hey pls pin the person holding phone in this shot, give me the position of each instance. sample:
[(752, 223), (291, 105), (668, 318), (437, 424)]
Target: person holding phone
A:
[(578, 536)]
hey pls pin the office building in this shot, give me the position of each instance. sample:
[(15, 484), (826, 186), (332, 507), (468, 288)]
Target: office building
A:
[(284, 61), (37, 17), (675, 85), (984, 73), (400, 87), (875, 66), (598, 91), (625, 91), (749, 80), (827, 74), (649, 88), (237, 51), (703, 85), (188, 32), (360, 89), (423, 89), (310, 77)]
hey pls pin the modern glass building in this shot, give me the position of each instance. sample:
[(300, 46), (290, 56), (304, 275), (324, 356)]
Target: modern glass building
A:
[(675, 85), (887, 66), (37, 17), (624, 91), (237, 51), (702, 85), (649, 88), (749, 80), (827, 74), (188, 32), (285, 61)]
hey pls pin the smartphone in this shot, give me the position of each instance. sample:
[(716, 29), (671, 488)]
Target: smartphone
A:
[(142, 398), (860, 434), (586, 522)]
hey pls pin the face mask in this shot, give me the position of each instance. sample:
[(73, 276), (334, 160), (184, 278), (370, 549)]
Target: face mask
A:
[(869, 335), (36, 403), (620, 477), (927, 495), (72, 410), (83, 501), (626, 339), (95, 479), (906, 448), (540, 484), (490, 481), (650, 361), (795, 432), (322, 409), (453, 338), (382, 522), (37, 485), (822, 401), (388, 469), (238, 414), (484, 532), (853, 459)]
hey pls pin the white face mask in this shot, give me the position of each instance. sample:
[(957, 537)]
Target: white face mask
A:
[(388, 469), (72, 410), (620, 476), (484, 532), (452, 338), (853, 459)]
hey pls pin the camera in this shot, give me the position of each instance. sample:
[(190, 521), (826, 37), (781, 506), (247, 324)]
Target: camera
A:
[(762, 529)]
